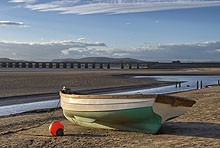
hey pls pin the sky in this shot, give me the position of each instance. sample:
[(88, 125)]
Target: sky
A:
[(151, 30)]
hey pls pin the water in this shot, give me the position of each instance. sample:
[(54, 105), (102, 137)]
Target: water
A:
[(188, 83), (19, 108)]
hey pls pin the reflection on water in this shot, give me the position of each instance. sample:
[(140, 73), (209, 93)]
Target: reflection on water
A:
[(188, 83), (19, 108)]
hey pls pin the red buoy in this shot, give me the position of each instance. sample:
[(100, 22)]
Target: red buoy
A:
[(56, 129)]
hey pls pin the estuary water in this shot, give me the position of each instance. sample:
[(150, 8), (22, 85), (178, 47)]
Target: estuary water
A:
[(187, 83), (20, 108)]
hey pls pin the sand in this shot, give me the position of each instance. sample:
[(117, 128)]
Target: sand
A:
[(199, 127), (26, 83)]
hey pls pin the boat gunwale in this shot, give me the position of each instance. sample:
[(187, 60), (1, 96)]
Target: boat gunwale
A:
[(102, 96)]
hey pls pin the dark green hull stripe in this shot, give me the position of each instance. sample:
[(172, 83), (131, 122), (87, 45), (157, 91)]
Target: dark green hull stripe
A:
[(138, 119)]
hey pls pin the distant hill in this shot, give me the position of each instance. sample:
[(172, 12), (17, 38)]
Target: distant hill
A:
[(64, 60), (10, 60), (87, 59), (99, 59)]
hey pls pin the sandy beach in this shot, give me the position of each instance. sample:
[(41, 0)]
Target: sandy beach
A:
[(199, 127)]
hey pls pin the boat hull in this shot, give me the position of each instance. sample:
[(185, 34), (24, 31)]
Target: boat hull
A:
[(136, 119), (139, 113)]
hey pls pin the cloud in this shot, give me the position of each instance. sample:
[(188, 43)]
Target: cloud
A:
[(81, 39), (85, 49), (187, 51), (46, 51), (114, 6), (10, 23), (22, 1)]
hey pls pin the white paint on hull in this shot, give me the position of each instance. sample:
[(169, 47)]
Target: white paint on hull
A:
[(104, 104), (104, 101)]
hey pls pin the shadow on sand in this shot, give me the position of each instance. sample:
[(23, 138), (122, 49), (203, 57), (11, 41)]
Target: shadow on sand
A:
[(86, 135), (197, 129), (75, 135)]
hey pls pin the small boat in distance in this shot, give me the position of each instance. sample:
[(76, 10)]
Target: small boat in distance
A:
[(138, 112)]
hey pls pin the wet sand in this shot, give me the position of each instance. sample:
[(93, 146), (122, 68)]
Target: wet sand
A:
[(29, 83), (199, 127)]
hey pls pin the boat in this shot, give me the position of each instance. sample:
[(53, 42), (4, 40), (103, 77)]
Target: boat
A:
[(137, 112)]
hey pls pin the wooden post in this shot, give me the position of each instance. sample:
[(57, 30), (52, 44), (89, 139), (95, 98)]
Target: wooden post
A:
[(200, 84), (176, 84), (179, 84), (218, 82), (197, 84)]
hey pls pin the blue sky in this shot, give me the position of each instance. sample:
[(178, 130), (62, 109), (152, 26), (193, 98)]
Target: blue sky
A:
[(150, 30)]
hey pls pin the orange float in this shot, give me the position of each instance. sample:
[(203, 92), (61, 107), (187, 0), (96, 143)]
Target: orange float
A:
[(56, 128)]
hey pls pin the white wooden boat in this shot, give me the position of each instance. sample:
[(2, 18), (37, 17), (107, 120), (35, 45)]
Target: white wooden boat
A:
[(138, 112)]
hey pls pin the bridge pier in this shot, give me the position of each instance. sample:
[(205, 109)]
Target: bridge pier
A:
[(22, 65), (122, 66), (42, 65), (138, 66), (86, 65), (108, 66), (4, 65), (78, 65), (101, 66), (57, 65), (93, 65), (64, 65)]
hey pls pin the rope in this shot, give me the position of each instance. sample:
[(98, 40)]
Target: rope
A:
[(34, 126)]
